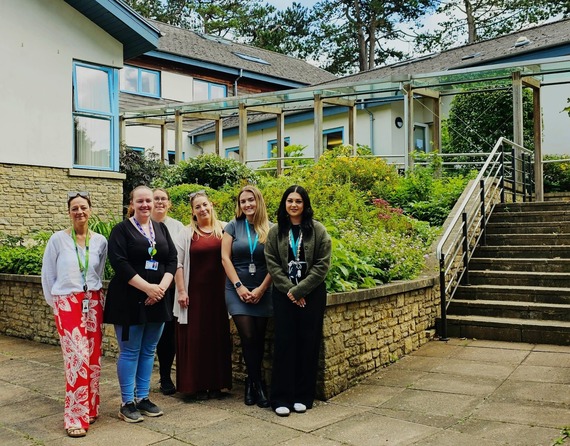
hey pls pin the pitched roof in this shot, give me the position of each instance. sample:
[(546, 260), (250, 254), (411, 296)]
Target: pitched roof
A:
[(206, 49), (551, 39)]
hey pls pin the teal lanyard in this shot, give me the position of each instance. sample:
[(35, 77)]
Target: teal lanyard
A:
[(150, 238), (295, 245), (82, 266), (253, 245)]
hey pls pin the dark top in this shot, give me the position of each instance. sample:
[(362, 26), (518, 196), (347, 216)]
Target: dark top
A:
[(128, 253)]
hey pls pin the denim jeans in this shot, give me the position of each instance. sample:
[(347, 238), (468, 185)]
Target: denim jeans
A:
[(136, 359)]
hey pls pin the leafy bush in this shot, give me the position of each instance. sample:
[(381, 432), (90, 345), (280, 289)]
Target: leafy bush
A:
[(21, 256), (140, 169), (209, 170), (557, 175), (293, 152)]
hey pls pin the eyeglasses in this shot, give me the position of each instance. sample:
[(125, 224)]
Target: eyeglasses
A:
[(160, 198), (75, 193), (198, 192)]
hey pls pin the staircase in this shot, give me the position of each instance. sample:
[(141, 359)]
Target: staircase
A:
[(519, 282)]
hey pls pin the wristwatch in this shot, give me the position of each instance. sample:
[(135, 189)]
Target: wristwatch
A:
[(237, 284)]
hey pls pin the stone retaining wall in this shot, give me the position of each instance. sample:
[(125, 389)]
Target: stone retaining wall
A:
[(363, 330), (35, 198)]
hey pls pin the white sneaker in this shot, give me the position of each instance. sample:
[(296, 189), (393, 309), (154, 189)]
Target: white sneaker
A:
[(282, 411), (299, 407)]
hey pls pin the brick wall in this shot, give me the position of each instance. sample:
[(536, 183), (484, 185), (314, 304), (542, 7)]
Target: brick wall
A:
[(363, 330), (35, 198)]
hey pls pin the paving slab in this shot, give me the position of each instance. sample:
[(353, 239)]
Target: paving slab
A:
[(510, 433), (459, 392), (370, 429)]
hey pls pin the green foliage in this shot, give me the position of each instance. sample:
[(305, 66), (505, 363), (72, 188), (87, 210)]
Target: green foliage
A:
[(209, 170), (22, 256), (557, 175), (293, 151), (477, 120), (140, 169)]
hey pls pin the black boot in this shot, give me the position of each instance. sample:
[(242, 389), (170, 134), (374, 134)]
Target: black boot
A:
[(261, 393), (249, 396)]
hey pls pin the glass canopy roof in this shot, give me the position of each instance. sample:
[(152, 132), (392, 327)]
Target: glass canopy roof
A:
[(382, 88)]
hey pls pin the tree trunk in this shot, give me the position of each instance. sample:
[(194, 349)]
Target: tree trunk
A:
[(371, 46), (471, 26)]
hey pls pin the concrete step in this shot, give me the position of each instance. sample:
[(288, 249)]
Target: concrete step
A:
[(523, 251), (509, 309), (509, 329), (548, 227), (555, 265), (530, 216), (535, 206), (546, 295), (519, 278), (528, 239)]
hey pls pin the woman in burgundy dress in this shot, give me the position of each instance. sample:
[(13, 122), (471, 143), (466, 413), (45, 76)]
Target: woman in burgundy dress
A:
[(203, 351)]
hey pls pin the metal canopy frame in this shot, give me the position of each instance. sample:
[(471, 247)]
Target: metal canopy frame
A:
[(531, 74)]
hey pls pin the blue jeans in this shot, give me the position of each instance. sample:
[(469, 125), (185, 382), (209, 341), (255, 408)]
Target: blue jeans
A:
[(136, 359)]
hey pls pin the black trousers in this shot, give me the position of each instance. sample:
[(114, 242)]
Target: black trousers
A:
[(298, 334)]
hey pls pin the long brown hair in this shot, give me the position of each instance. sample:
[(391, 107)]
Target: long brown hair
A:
[(260, 220)]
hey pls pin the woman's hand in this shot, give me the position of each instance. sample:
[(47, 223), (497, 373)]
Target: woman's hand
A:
[(183, 299), (256, 295), (244, 294), (299, 302), (155, 293)]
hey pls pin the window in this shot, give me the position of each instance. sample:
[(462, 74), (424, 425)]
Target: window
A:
[(95, 117), (140, 81), (232, 153), (272, 147), (172, 156), (207, 90), (420, 137), (333, 138), (252, 58), (137, 149)]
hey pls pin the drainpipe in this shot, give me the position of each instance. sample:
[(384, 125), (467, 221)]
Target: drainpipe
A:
[(372, 119), (236, 81)]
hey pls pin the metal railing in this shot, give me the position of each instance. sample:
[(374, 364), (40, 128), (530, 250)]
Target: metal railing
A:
[(503, 170)]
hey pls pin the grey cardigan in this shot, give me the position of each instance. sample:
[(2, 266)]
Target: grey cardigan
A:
[(317, 249)]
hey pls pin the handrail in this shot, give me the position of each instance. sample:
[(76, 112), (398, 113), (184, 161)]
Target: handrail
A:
[(468, 226)]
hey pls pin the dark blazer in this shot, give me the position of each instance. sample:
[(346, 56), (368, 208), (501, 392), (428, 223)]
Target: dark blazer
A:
[(317, 248), (128, 253)]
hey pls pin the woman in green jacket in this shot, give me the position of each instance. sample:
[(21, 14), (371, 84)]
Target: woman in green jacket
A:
[(298, 253)]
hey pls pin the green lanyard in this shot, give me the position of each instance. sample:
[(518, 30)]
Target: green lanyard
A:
[(82, 266)]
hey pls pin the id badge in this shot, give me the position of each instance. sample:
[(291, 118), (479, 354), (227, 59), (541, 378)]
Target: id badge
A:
[(151, 264), (252, 268), (85, 306)]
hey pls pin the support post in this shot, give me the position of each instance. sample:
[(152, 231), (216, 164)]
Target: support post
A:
[(242, 133), (178, 121), (318, 126)]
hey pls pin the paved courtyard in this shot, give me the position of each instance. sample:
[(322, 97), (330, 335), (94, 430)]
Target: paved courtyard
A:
[(460, 392)]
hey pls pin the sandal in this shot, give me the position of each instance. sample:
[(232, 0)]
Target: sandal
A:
[(76, 432), (92, 420)]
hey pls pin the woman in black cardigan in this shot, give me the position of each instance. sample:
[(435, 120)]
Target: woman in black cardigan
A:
[(144, 259)]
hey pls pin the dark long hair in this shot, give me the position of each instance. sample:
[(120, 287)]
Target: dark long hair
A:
[(306, 217)]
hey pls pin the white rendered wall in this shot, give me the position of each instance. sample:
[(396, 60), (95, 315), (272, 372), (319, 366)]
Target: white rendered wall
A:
[(177, 87), (555, 121), (40, 41)]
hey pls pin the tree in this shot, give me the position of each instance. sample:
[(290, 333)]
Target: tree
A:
[(468, 21), (477, 120), (356, 34)]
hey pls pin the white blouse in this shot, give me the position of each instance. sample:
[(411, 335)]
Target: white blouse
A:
[(60, 269)]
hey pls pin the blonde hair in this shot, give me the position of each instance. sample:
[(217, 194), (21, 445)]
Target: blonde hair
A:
[(218, 229), (260, 220)]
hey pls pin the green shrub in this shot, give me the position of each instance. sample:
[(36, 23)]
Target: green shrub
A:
[(22, 256), (557, 175), (209, 170)]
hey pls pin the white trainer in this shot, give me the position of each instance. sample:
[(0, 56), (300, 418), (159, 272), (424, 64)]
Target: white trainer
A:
[(282, 411), (299, 407)]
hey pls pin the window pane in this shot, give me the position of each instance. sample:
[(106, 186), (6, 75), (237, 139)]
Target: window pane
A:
[(129, 79), (217, 91), (92, 142), (333, 139), (149, 83), (92, 89), (200, 91)]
